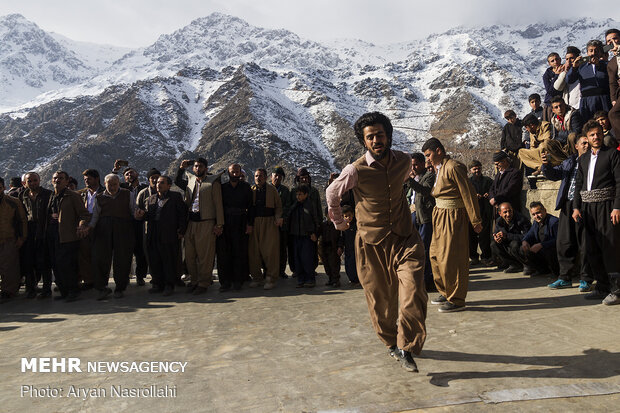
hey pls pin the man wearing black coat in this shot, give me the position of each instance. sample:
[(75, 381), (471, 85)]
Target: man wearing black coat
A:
[(538, 244), (481, 184), (597, 203), (510, 228), (512, 134), (507, 184), (166, 214), (570, 243)]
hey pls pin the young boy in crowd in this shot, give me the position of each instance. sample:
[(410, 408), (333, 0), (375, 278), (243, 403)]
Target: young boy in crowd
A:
[(537, 109), (347, 244), (328, 251), (304, 226)]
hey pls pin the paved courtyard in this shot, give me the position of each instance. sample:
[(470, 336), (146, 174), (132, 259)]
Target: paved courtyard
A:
[(518, 347)]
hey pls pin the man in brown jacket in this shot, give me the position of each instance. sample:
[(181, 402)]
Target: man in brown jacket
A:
[(66, 224), (456, 205), (13, 233), (203, 197), (266, 220), (389, 252), (540, 141)]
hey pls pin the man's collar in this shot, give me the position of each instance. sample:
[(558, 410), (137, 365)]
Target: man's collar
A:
[(371, 159)]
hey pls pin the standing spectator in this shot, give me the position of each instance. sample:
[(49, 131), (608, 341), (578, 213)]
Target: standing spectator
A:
[(597, 203), (330, 251), (609, 139), (612, 38), (549, 78), (508, 182), (232, 245), (34, 260), (15, 187), (67, 220), (203, 197), (510, 228), (113, 237), (456, 206), (166, 214), (482, 185), (570, 245), (264, 238), (420, 184), (13, 233), (277, 176), (348, 245), (88, 194), (571, 92), (512, 134), (593, 80), (304, 227)]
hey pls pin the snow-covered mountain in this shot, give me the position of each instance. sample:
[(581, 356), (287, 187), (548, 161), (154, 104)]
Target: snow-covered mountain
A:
[(225, 89)]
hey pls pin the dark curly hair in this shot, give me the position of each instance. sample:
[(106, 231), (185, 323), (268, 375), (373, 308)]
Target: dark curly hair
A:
[(370, 119)]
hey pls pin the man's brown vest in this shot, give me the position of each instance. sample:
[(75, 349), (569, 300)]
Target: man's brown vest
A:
[(381, 206), (115, 207)]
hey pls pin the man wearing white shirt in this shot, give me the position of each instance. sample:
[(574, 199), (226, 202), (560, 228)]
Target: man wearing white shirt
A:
[(597, 203)]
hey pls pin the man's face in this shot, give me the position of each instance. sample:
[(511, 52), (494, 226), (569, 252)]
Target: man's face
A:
[(531, 128), (582, 146), (234, 173), (348, 217), (418, 167), (604, 122), (594, 54), (538, 213), (153, 180), (276, 179), (376, 140), (554, 61), (112, 185), (559, 108), (304, 179), (535, 104), (199, 169), (90, 181), (260, 178), (162, 185), (130, 176), (434, 156), (570, 58), (595, 138), (612, 38), (476, 171), (59, 181), (506, 212), (502, 165), (301, 196), (33, 182)]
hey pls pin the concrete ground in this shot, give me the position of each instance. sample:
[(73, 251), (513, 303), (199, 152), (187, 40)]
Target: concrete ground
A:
[(518, 347)]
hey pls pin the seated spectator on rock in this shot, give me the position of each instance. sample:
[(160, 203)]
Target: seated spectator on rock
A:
[(510, 228), (508, 182), (565, 120), (570, 242), (538, 245), (593, 80), (571, 92), (541, 141), (609, 138), (512, 134), (537, 109), (549, 78)]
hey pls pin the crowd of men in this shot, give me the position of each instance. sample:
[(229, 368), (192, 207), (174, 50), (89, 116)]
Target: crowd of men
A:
[(406, 224)]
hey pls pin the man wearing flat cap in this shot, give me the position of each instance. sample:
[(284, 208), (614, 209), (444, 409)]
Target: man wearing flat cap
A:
[(507, 184)]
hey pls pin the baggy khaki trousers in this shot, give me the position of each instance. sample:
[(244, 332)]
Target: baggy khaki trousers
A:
[(200, 252), (264, 247)]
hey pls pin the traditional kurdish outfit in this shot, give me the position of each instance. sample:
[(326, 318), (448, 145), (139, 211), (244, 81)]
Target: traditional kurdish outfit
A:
[(456, 205)]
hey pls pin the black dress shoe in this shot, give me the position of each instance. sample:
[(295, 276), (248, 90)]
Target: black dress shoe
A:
[(31, 294), (168, 291), (513, 269), (140, 281), (406, 361), (87, 286), (103, 294), (44, 294), (180, 283)]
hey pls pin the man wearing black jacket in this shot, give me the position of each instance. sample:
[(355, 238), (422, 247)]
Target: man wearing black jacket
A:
[(510, 228), (597, 203), (507, 184), (512, 134), (481, 184), (166, 214)]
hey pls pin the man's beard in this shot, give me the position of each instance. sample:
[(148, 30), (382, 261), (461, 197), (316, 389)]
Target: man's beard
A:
[(386, 150), (234, 178)]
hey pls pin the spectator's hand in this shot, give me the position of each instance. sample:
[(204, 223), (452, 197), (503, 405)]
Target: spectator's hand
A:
[(343, 226), (339, 251), (82, 231), (525, 246), (478, 228), (486, 195), (558, 70), (139, 214), (492, 201), (313, 237), (576, 215), (279, 222), (566, 67), (544, 156), (185, 163), (615, 216), (536, 247), (577, 62), (217, 230), (248, 229), (117, 166)]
